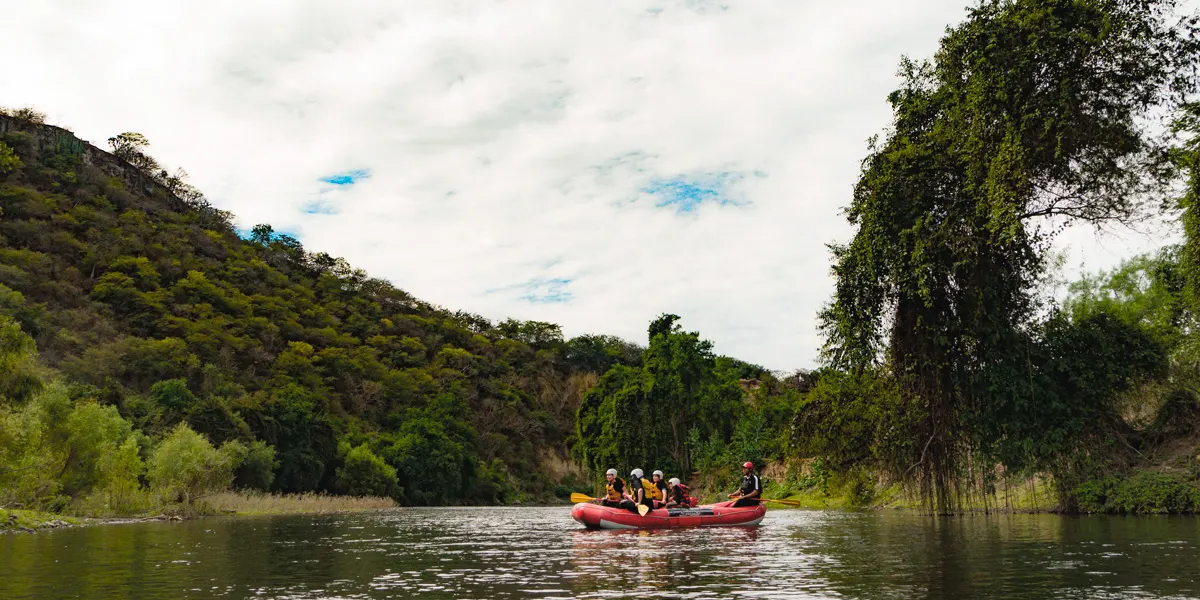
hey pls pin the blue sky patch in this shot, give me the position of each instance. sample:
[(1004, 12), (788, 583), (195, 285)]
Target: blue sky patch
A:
[(547, 291), (347, 178), (244, 233), (540, 290), (687, 192), (319, 207)]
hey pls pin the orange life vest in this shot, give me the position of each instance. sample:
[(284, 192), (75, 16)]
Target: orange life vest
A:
[(652, 491), (611, 492)]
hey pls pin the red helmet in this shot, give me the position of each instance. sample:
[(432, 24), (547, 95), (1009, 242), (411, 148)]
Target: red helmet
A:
[(748, 465)]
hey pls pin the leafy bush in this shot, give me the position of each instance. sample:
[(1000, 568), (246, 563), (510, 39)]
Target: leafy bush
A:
[(492, 484), (571, 484), (27, 114), (120, 493), (852, 420), (174, 397), (256, 469), (709, 454), (1145, 492), (8, 159), (364, 474), (750, 439), (19, 377), (93, 434), (53, 450), (31, 454), (184, 466), (432, 465), (860, 488)]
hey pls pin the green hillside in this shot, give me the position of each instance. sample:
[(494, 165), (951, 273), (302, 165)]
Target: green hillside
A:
[(141, 296)]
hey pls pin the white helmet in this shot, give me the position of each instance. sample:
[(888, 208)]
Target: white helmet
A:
[(674, 481), (657, 472), (636, 473), (612, 472)]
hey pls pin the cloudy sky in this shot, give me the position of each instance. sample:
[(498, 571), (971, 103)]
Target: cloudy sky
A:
[(588, 163)]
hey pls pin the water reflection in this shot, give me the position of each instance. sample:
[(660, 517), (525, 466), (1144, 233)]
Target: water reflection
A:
[(541, 552)]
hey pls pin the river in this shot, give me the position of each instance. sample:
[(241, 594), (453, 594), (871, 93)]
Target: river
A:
[(542, 553)]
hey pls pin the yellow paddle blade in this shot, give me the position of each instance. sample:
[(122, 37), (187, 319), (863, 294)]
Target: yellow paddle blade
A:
[(577, 498), (787, 502), (643, 509)]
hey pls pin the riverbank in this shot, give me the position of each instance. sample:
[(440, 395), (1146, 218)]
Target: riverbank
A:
[(225, 503), (1169, 485), (1139, 492)]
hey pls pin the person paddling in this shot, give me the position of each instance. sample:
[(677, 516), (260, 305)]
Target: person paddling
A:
[(638, 488), (750, 490), (658, 494), (615, 494), (676, 497)]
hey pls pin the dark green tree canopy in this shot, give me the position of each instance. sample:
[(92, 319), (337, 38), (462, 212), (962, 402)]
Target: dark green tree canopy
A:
[(1030, 109)]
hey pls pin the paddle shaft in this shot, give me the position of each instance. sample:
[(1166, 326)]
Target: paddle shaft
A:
[(787, 502)]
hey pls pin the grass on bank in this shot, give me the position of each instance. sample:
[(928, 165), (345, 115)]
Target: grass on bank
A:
[(809, 483), (1140, 492), (25, 520), (260, 503), (225, 503)]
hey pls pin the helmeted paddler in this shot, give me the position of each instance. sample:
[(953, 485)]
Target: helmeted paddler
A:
[(615, 492), (639, 488), (750, 489), (658, 492)]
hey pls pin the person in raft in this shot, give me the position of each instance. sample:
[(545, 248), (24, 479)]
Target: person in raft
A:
[(614, 493), (659, 493), (750, 491), (640, 490), (677, 494)]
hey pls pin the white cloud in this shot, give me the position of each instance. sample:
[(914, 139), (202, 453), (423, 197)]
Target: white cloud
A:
[(508, 143)]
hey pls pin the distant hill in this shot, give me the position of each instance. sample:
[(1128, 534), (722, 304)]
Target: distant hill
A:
[(141, 294)]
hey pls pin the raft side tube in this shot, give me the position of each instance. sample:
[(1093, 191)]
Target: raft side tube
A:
[(723, 514)]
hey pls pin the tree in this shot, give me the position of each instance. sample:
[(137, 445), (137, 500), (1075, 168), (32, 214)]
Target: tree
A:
[(19, 378), (536, 334), (679, 365), (599, 353), (121, 491), (937, 283), (1188, 155), (304, 440), (1146, 291), (91, 432), (256, 469), (9, 161), (261, 234), (613, 423), (174, 397), (28, 114), (128, 146), (184, 466), (642, 416), (365, 474)]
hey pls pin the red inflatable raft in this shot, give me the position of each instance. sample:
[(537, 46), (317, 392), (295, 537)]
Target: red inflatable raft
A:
[(595, 516)]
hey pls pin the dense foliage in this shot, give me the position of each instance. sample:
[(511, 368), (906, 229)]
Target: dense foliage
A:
[(1028, 116), (130, 296), (684, 409)]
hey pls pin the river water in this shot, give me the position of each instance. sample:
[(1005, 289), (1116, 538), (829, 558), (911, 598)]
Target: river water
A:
[(542, 553)]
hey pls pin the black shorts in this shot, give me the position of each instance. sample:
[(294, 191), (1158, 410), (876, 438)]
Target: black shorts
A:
[(624, 503)]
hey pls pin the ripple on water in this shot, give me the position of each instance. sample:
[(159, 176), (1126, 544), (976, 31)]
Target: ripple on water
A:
[(542, 553)]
